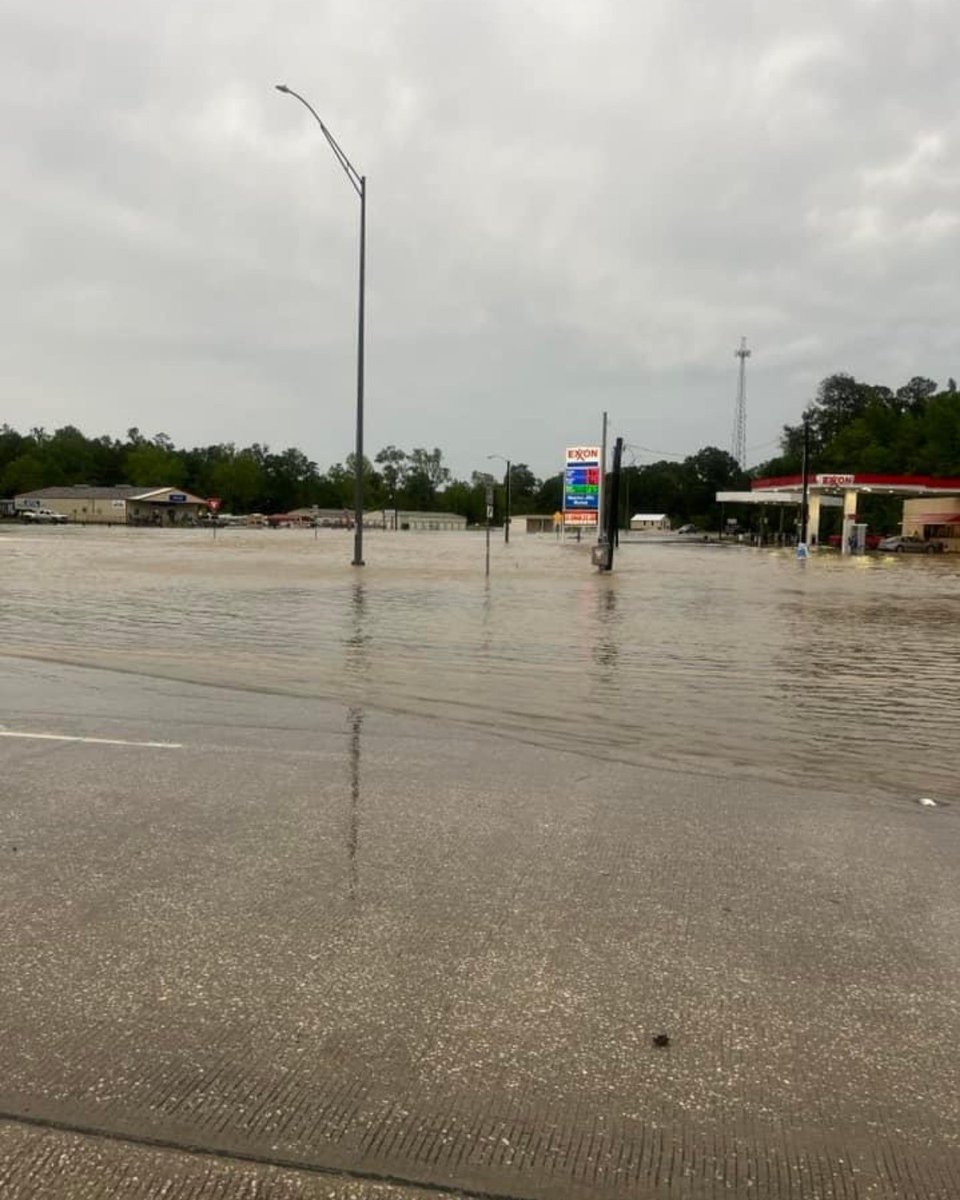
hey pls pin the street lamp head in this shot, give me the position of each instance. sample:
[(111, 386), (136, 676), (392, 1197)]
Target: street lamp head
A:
[(282, 87)]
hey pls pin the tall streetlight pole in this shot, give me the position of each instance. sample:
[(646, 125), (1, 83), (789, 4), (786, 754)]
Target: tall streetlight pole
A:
[(359, 184), (506, 519)]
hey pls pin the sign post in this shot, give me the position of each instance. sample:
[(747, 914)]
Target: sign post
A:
[(213, 505)]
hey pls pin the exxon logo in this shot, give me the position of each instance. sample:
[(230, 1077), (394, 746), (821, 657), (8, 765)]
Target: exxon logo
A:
[(583, 454)]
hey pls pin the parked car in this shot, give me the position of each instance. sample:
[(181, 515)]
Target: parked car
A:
[(42, 516), (909, 544), (688, 529)]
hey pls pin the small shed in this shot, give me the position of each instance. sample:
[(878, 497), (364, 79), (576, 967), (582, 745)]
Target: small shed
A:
[(658, 521)]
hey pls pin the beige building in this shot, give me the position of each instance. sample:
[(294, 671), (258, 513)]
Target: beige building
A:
[(125, 504), (537, 522), (446, 522), (934, 518)]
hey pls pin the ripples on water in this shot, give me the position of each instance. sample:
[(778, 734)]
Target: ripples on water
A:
[(711, 657)]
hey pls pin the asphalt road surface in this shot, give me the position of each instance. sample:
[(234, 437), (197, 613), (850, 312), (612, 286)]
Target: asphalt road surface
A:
[(264, 945)]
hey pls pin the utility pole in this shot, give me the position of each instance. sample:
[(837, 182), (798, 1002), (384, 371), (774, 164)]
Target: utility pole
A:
[(613, 502), (602, 554), (489, 500), (506, 520), (802, 535), (738, 446), (602, 503)]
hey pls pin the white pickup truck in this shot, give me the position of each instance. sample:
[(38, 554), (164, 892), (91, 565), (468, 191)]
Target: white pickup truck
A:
[(42, 516)]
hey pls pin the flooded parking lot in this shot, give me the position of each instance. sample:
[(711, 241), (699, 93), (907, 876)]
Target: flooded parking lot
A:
[(401, 876), (843, 670)]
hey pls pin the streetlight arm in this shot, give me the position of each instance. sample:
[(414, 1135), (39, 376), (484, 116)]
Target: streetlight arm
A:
[(350, 171)]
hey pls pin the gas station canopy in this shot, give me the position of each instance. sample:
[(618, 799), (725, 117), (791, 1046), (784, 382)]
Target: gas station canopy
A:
[(837, 484), (838, 490)]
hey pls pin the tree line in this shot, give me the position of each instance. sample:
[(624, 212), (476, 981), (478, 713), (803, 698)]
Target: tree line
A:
[(853, 426), (257, 479)]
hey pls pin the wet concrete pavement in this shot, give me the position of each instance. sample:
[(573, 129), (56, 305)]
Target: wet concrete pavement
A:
[(400, 949), (43, 1162)]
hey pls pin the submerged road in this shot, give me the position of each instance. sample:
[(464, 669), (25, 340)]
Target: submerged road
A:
[(264, 945)]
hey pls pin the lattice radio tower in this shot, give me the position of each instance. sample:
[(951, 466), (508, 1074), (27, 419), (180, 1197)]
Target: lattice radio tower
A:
[(739, 446)]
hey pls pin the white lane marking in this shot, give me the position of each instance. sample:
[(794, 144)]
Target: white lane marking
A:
[(94, 741)]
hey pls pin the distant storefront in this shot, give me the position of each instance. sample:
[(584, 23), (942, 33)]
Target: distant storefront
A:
[(537, 522), (326, 518), (125, 504), (934, 519), (402, 519), (343, 518)]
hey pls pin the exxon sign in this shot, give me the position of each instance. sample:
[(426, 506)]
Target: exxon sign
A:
[(581, 483)]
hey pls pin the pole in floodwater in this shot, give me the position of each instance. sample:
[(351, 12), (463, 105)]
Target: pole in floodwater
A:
[(802, 532), (612, 510), (602, 499), (489, 519), (603, 554)]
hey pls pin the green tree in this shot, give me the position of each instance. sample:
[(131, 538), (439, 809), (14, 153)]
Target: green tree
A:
[(425, 476), (24, 474), (11, 446), (870, 428), (373, 489), (705, 473), (914, 395), (70, 457), (238, 479), (524, 486), (460, 497), (290, 478), (549, 496), (394, 467), (148, 464)]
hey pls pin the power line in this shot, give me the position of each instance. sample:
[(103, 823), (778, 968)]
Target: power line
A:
[(634, 446), (763, 445), (648, 450)]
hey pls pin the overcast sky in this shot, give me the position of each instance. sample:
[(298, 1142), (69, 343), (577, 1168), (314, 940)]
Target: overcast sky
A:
[(573, 205)]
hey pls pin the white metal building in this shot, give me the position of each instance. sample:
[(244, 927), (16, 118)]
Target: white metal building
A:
[(659, 521)]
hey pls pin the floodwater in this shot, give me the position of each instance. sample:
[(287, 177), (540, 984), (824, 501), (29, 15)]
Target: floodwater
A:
[(720, 659)]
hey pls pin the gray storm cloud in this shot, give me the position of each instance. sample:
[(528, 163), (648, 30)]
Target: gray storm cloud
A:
[(573, 206)]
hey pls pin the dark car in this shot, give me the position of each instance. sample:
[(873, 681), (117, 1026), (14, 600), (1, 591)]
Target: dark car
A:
[(910, 544)]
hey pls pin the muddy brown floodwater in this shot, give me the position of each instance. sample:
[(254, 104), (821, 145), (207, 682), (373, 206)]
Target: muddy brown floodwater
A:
[(837, 670)]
